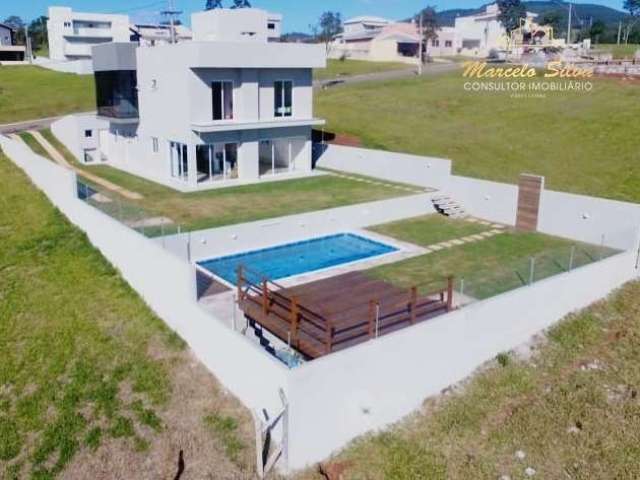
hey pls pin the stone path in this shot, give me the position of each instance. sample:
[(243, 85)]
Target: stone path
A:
[(496, 229), (404, 188), (59, 158)]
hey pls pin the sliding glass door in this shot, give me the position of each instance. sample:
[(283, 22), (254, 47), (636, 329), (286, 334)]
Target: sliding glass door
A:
[(279, 155), (179, 161), (218, 161)]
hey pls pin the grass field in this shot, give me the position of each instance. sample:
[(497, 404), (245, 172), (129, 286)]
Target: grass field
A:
[(573, 409), (33, 92), (348, 68), (619, 51), (91, 381), (238, 204), (34, 145), (582, 142), (488, 267)]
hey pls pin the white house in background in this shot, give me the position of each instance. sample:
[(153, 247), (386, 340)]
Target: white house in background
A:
[(444, 44), (229, 107), (377, 39), (73, 34)]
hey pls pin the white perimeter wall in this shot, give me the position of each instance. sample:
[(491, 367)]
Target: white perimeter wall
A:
[(70, 131), (391, 166), (338, 397), (335, 398), (167, 285)]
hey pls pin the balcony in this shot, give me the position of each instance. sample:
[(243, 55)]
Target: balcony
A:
[(77, 49), (88, 32), (236, 125)]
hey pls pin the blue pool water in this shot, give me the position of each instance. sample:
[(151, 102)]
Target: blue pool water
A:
[(296, 258)]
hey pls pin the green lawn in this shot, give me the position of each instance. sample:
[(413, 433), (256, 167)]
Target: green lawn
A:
[(227, 206), (488, 267), (619, 51), (429, 229), (570, 419), (87, 370), (34, 145), (582, 142), (32, 92), (348, 68)]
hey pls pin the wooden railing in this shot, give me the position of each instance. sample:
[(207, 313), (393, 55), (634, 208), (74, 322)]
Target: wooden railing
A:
[(319, 326)]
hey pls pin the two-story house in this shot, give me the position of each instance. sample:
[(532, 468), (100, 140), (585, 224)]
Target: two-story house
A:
[(72, 34), (8, 51), (231, 106)]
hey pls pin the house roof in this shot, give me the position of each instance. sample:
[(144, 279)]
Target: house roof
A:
[(7, 27), (367, 19)]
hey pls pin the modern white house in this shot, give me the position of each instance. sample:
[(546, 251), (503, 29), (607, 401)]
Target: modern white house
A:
[(72, 34), (228, 107), (149, 35)]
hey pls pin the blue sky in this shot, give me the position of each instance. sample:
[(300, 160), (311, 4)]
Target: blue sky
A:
[(298, 14)]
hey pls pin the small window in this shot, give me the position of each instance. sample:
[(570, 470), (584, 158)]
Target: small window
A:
[(448, 43), (88, 133), (283, 93), (271, 26), (154, 144), (435, 42), (222, 95)]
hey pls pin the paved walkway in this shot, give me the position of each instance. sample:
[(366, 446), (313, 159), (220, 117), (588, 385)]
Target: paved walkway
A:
[(405, 188), (59, 158)]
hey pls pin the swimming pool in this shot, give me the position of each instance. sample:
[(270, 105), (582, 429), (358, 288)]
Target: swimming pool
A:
[(300, 257)]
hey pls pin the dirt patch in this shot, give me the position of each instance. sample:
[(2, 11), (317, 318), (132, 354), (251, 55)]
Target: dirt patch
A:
[(195, 394), (336, 138)]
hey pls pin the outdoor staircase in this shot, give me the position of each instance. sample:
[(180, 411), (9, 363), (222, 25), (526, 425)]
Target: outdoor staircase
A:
[(445, 205), (259, 333)]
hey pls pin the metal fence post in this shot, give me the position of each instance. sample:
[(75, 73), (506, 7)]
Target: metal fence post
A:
[(602, 246), (461, 286), (532, 269), (377, 319)]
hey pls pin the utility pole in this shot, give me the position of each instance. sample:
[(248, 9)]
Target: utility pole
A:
[(171, 12), (27, 41), (569, 26), (421, 33), (619, 31)]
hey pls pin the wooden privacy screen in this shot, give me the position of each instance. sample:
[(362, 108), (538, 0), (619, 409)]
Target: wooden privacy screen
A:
[(529, 192)]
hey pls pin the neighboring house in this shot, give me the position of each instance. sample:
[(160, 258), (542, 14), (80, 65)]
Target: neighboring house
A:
[(8, 51), (72, 34), (377, 39), (229, 107), (149, 35), (444, 44)]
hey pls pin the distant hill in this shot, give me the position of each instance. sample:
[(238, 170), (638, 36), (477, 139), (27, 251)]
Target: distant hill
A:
[(584, 13), (297, 37)]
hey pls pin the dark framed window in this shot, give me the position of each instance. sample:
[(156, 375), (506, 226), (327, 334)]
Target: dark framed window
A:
[(283, 101), (116, 93), (222, 98), (88, 133)]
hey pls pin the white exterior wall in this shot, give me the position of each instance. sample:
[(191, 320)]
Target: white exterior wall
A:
[(74, 40), (236, 25), (391, 166), (70, 131)]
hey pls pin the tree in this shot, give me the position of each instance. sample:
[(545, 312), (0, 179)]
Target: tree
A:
[(596, 30), (329, 25), (17, 24), (555, 19), (38, 33), (511, 11), (430, 26), (633, 7), (211, 4)]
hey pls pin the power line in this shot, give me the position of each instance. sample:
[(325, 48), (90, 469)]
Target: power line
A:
[(141, 7)]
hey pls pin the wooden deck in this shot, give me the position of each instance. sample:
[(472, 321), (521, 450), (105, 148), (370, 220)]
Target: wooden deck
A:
[(333, 314)]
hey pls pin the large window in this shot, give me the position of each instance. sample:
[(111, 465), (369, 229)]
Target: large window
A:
[(217, 161), (116, 94), (283, 98), (279, 155), (179, 161), (222, 93)]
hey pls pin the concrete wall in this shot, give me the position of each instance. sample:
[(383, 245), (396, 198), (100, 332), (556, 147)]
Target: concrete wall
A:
[(77, 67), (391, 166), (167, 285), (367, 387), (70, 130), (492, 201)]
